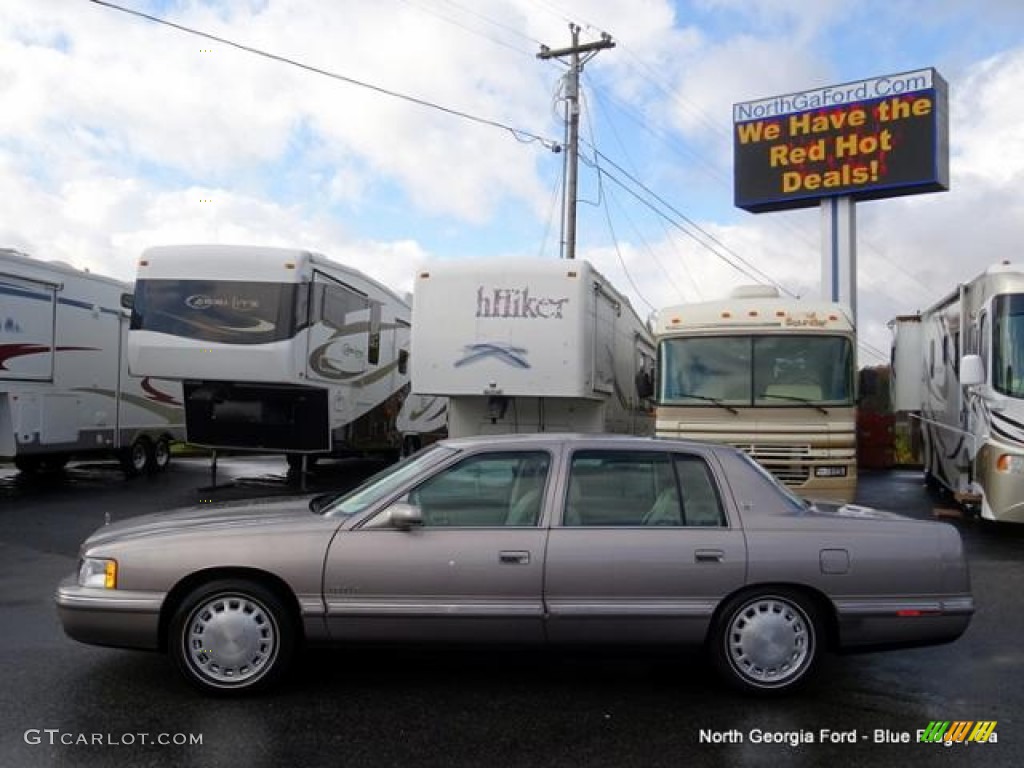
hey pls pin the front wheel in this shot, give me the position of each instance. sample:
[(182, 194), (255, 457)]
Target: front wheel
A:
[(767, 642), (231, 637)]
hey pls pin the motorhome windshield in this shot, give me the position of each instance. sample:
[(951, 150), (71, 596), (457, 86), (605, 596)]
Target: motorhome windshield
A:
[(763, 371), (1008, 344), (226, 311)]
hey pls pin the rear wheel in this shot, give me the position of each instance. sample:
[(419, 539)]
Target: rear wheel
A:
[(51, 462), (136, 457), (160, 457), (768, 641), (28, 464), (232, 637), (295, 461)]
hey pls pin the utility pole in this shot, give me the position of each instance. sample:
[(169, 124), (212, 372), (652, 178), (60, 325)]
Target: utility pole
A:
[(572, 123)]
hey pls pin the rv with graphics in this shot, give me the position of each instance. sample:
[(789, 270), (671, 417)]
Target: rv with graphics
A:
[(278, 350), (959, 368), (770, 375), (422, 420), (65, 389), (530, 345)]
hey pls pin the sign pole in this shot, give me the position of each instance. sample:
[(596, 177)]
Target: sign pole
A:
[(839, 252)]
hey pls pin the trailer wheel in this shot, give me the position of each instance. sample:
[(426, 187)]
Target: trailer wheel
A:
[(49, 463), (160, 457), (295, 461), (136, 457), (28, 464)]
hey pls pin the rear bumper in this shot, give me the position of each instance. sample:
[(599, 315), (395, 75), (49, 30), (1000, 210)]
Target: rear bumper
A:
[(872, 624), (120, 619)]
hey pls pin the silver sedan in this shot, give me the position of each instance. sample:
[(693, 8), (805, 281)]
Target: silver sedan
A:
[(528, 539)]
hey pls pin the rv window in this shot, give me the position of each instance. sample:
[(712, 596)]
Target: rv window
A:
[(227, 311), (339, 307), (1008, 345), (373, 347)]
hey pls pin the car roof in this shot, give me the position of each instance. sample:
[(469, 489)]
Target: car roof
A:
[(601, 440)]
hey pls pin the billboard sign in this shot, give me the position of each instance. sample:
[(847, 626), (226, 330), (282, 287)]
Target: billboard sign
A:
[(869, 139)]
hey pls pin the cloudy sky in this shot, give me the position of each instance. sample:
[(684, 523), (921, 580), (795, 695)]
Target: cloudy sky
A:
[(118, 133)]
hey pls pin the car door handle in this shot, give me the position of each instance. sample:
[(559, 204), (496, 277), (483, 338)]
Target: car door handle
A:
[(708, 555), (516, 558)]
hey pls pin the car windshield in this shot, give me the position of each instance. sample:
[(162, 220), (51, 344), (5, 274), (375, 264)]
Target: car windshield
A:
[(385, 482)]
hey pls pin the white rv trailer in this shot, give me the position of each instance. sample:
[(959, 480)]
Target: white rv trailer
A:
[(530, 345), (770, 375), (278, 349), (959, 367), (423, 419), (64, 383)]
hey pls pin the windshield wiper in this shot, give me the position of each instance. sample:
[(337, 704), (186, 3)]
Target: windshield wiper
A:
[(714, 400), (793, 398)]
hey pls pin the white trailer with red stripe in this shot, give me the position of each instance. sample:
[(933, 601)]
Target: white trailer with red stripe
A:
[(65, 389)]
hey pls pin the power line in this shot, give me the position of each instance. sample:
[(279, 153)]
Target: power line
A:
[(519, 134), (763, 276), (455, 22)]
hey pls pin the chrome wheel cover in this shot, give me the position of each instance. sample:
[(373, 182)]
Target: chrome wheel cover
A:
[(230, 640), (770, 641)]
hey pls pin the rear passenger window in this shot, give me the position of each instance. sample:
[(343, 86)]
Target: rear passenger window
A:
[(640, 489), (701, 503)]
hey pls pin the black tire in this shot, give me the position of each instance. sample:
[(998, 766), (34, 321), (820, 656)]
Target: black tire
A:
[(28, 464), (768, 641), (137, 457), (54, 462), (232, 637), (160, 456), (295, 461)]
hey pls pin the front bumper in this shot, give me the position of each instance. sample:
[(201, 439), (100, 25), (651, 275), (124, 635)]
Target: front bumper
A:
[(111, 617)]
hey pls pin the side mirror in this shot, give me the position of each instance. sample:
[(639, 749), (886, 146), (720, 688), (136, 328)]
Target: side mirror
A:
[(404, 516), (644, 385), (127, 300), (972, 371), (317, 503)]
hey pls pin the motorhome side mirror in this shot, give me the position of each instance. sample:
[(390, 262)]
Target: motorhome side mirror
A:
[(644, 385), (404, 516), (972, 371), (127, 300)]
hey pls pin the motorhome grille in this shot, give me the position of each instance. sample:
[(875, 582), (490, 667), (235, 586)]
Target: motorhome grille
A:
[(790, 475), (783, 461), (763, 452)]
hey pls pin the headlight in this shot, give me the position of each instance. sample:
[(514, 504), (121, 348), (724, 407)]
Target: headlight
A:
[(97, 572), (1007, 462)]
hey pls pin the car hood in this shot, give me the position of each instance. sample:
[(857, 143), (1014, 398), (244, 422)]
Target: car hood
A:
[(241, 515)]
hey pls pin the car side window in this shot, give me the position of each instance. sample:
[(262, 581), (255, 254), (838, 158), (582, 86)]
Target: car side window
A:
[(621, 488), (496, 489), (702, 504), (640, 489)]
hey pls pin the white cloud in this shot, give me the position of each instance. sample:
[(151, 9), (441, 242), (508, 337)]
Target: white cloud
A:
[(115, 129)]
